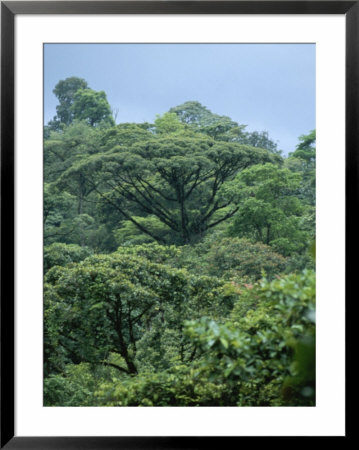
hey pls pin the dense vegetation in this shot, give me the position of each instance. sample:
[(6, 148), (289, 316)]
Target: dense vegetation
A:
[(178, 260)]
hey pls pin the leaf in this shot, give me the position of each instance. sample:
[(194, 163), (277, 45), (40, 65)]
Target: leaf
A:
[(96, 306), (224, 342)]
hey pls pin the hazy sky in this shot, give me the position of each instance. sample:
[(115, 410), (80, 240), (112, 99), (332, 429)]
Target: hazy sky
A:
[(268, 87)]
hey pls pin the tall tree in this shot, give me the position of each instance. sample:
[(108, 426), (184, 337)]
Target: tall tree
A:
[(176, 178), (262, 140), (65, 91), (303, 160), (199, 118), (306, 148), (92, 107), (63, 149), (269, 210), (104, 305)]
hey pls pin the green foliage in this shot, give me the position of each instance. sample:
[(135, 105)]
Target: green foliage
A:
[(124, 134), (65, 91), (105, 301), (58, 254), (306, 148), (154, 252), (197, 116), (92, 107), (176, 178), (200, 119), (105, 304), (130, 233), (303, 160), (247, 361), (78, 102), (62, 149), (182, 386), (168, 123), (299, 389), (262, 140), (57, 214), (234, 258), (75, 387), (253, 351), (269, 211), (156, 241)]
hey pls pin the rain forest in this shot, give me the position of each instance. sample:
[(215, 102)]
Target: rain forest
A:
[(179, 259)]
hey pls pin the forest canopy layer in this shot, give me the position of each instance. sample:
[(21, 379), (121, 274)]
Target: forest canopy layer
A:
[(178, 259)]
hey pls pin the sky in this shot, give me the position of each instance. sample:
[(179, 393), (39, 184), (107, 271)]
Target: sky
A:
[(268, 87)]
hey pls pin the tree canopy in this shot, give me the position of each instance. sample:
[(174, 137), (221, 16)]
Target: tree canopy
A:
[(92, 107), (178, 259), (165, 177), (78, 102)]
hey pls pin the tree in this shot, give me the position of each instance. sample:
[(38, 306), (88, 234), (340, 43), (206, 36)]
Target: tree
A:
[(99, 307), (63, 149), (71, 222), (75, 181), (252, 353), (124, 134), (188, 305), (92, 107), (303, 160), (107, 304), (168, 123), (240, 259), (58, 213), (262, 140), (129, 233), (194, 114), (103, 305), (246, 361), (65, 91), (78, 102), (269, 210), (59, 254), (306, 148), (176, 178), (200, 119)]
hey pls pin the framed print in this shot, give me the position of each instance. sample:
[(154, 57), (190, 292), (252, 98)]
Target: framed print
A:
[(176, 186)]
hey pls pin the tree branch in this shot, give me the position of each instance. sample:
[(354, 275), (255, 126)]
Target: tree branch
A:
[(227, 216)]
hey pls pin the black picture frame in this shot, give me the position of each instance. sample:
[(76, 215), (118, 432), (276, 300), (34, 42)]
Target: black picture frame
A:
[(9, 9)]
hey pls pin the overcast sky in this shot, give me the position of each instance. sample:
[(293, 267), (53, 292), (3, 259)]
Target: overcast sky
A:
[(268, 87)]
